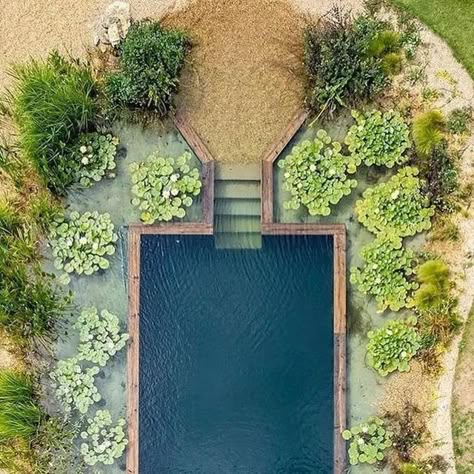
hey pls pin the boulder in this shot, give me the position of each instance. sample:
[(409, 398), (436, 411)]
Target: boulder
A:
[(113, 25)]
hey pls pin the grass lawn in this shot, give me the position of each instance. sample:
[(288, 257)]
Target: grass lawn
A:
[(453, 20)]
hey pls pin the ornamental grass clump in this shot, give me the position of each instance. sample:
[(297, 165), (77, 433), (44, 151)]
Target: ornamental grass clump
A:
[(397, 206), (151, 59), (103, 442), (393, 346), (378, 138), (94, 155), (428, 131), (164, 187), (386, 273), (75, 386), (100, 337), (82, 243), (316, 175), (368, 441)]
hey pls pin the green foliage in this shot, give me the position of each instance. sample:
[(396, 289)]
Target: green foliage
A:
[(315, 174), (15, 387), (99, 336), (164, 187), (75, 386), (386, 272), (368, 441), (82, 243), (151, 59), (433, 276), (396, 206), (340, 72), (392, 347), (94, 154), (378, 138), (53, 101), (43, 210), (428, 130), (459, 120), (384, 42), (104, 442)]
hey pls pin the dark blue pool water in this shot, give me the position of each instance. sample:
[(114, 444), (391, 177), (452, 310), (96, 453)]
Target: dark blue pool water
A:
[(236, 356)]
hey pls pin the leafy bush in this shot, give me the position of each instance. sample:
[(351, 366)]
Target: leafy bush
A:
[(75, 386), (164, 187), (52, 103), (393, 346), (151, 59), (386, 272), (369, 440), (378, 139), (340, 71), (396, 206), (315, 174), (99, 336), (81, 243), (94, 155), (103, 442), (459, 120), (428, 130)]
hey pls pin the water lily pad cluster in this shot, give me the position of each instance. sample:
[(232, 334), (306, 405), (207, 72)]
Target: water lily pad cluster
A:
[(316, 175), (378, 138), (100, 336), (94, 156), (75, 386), (368, 441), (393, 346), (103, 441), (386, 272), (396, 206), (164, 187), (82, 243)]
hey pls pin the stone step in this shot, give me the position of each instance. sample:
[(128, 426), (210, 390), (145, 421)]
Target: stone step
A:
[(237, 190), (238, 241), (237, 207), (238, 171), (237, 224)]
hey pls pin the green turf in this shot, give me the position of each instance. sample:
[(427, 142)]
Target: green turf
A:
[(453, 20)]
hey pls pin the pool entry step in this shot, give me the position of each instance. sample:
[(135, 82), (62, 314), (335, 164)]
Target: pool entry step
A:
[(237, 206)]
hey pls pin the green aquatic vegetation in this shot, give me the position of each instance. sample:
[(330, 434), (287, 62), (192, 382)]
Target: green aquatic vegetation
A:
[(393, 346), (368, 441), (94, 153), (75, 386), (316, 175), (386, 272), (164, 187), (103, 442), (82, 243), (428, 131), (378, 138), (151, 59), (52, 102), (100, 337), (396, 206)]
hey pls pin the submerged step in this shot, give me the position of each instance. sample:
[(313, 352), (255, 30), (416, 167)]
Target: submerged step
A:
[(237, 189), (237, 224), (225, 240), (238, 171), (237, 207)]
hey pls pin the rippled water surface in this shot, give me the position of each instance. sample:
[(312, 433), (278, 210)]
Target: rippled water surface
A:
[(236, 356)]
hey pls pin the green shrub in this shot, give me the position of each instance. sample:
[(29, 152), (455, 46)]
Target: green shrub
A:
[(433, 276), (378, 139), (103, 442), (315, 173), (368, 441), (340, 72), (392, 347), (384, 42), (459, 120), (151, 59), (52, 102), (386, 272), (428, 130), (396, 206), (164, 187), (15, 387), (82, 243)]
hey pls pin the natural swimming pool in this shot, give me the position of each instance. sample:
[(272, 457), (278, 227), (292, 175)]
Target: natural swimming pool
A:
[(236, 356)]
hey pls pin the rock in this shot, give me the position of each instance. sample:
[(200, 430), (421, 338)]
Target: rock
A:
[(113, 34), (113, 26)]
